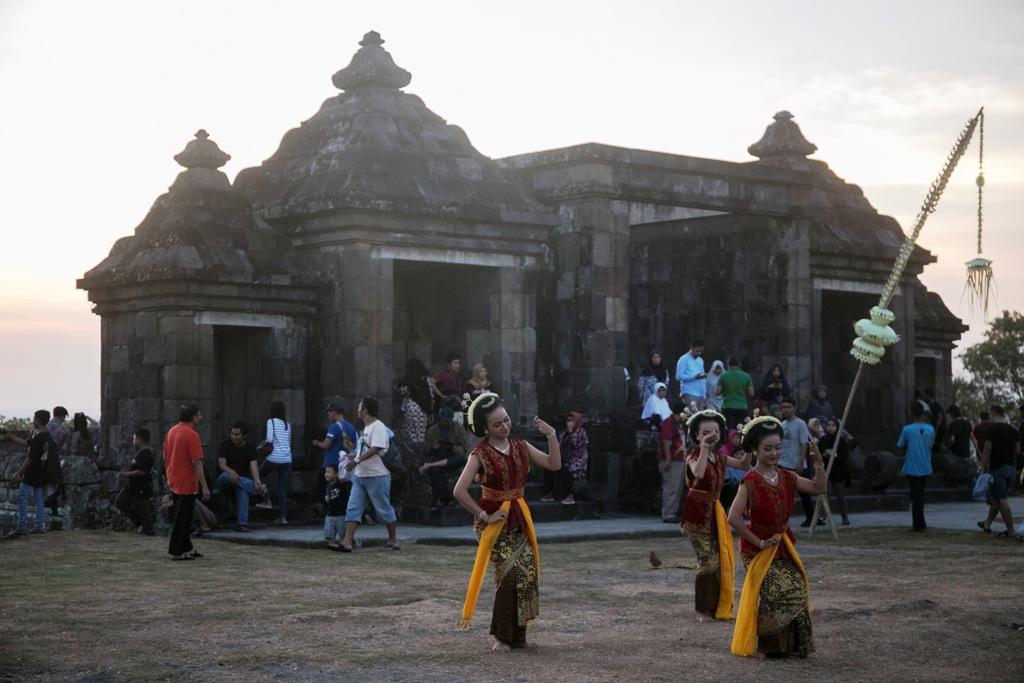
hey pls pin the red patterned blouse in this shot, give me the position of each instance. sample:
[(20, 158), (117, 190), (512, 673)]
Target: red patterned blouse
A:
[(768, 508), (699, 509), (503, 477)]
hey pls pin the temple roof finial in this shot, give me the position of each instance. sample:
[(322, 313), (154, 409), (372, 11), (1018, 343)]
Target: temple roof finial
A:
[(782, 139), (202, 153), (372, 65)]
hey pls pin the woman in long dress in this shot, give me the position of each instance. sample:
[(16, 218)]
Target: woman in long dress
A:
[(704, 519), (774, 615), (501, 463)]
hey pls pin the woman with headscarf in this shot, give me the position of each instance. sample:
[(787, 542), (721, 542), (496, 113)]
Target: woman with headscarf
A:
[(478, 383), (573, 444), (656, 408), (831, 445), (656, 371), (774, 387), (416, 403), (714, 400), (733, 475)]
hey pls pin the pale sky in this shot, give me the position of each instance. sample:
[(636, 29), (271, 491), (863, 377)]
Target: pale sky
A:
[(98, 96)]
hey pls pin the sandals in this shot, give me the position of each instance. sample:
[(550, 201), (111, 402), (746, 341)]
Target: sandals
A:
[(391, 546), (1014, 537), (181, 558), (986, 529)]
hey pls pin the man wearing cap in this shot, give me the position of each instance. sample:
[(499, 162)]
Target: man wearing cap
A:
[(339, 440), (819, 407)]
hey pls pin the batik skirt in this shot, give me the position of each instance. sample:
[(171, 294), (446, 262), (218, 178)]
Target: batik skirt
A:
[(516, 601), (783, 620)]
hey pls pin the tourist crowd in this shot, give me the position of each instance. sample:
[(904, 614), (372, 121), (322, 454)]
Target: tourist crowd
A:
[(992, 443), (352, 486), (354, 483)]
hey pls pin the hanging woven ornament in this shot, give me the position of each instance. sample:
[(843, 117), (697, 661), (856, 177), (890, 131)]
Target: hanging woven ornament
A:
[(979, 270)]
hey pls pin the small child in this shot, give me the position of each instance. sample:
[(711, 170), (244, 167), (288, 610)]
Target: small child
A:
[(334, 520)]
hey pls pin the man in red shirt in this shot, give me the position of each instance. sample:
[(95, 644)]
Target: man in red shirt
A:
[(671, 463), (446, 382), (183, 459)]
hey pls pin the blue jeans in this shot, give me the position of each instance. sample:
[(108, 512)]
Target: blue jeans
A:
[(334, 527), (284, 471), (39, 494), (246, 487), (378, 491)]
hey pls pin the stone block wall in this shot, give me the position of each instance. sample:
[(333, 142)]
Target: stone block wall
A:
[(727, 281), (584, 316)]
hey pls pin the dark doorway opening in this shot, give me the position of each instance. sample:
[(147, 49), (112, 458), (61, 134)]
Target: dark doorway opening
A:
[(873, 415), (925, 369), (240, 365), (440, 309)]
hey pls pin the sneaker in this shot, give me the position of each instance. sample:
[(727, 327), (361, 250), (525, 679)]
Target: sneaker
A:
[(281, 521), (806, 523), (37, 531), (821, 521), (547, 498), (242, 528), (846, 521), (16, 533), (568, 500), (265, 505)]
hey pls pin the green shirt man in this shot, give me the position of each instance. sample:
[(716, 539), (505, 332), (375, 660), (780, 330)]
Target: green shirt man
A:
[(735, 386)]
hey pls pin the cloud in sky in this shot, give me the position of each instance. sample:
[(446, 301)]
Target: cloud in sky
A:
[(99, 96)]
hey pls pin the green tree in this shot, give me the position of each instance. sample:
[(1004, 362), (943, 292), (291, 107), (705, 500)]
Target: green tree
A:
[(996, 365), (972, 398)]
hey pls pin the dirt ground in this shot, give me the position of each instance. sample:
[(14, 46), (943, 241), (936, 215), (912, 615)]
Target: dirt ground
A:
[(102, 606)]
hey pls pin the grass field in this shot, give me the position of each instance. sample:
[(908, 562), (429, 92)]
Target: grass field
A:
[(101, 606)]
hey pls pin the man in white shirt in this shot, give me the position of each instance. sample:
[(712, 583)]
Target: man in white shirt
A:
[(693, 386), (371, 480)]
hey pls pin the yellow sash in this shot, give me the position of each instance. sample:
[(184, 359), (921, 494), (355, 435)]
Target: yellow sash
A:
[(483, 555), (727, 565), (744, 636)]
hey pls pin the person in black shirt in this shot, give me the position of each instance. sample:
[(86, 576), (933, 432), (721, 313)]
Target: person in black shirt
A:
[(133, 500), (240, 471), (959, 433), (336, 499), (1002, 445), (31, 476)]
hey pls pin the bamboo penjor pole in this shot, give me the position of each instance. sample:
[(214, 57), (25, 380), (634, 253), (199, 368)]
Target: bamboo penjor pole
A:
[(875, 334)]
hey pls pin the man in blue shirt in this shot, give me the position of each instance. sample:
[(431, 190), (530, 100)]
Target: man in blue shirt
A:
[(340, 438), (693, 386), (915, 443)]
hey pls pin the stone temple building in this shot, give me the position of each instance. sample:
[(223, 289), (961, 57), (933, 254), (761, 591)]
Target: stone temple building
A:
[(377, 232)]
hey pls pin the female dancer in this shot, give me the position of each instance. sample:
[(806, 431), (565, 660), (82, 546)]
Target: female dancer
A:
[(704, 518), (773, 616), (501, 463)]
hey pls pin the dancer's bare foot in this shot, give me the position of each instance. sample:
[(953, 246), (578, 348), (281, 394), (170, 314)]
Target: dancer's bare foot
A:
[(501, 647)]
